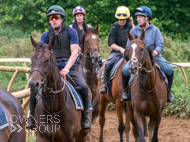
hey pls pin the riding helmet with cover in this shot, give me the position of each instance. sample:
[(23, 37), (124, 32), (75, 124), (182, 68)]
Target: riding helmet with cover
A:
[(144, 11), (122, 12), (78, 10), (55, 9)]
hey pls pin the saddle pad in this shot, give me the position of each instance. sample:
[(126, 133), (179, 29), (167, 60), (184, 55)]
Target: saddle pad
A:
[(114, 69), (76, 96), (162, 73), (3, 119)]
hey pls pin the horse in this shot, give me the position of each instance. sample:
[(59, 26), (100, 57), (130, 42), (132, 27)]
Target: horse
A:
[(55, 114), (148, 89), (15, 130), (103, 101), (88, 65)]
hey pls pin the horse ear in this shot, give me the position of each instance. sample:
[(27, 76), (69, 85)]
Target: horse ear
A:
[(130, 37), (85, 28), (34, 43), (142, 34), (97, 28), (52, 42)]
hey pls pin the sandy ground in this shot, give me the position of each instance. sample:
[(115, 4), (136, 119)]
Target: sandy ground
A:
[(170, 130)]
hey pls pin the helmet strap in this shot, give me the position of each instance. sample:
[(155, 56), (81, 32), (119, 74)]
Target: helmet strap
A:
[(144, 25)]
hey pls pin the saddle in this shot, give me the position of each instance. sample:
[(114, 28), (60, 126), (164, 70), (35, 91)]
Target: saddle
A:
[(72, 82)]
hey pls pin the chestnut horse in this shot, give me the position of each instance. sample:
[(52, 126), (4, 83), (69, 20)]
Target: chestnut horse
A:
[(15, 131), (148, 90), (55, 112), (88, 65), (90, 57), (103, 101)]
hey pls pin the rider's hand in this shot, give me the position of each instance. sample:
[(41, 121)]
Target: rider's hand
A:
[(64, 71), (154, 53), (131, 21), (122, 50)]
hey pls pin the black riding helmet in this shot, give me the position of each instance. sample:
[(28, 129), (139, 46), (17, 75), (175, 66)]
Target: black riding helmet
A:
[(55, 9)]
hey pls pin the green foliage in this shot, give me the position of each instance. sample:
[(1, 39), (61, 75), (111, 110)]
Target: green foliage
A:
[(171, 16)]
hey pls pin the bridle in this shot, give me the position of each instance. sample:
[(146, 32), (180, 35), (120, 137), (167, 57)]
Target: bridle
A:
[(142, 61), (89, 54), (44, 80)]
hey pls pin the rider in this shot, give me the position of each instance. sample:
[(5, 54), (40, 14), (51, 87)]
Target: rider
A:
[(117, 40), (155, 44), (79, 19), (66, 51)]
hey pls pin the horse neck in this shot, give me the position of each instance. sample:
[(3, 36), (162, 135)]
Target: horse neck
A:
[(56, 100), (151, 77)]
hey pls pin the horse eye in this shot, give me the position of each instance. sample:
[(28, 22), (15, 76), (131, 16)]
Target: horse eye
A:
[(47, 60), (142, 49), (87, 41)]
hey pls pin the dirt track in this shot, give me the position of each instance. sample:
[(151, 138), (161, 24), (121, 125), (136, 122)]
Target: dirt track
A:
[(171, 129)]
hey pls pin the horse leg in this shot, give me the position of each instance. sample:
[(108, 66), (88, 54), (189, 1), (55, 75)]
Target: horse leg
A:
[(131, 115), (150, 129), (145, 127), (121, 126), (127, 124), (102, 108), (139, 118), (156, 126)]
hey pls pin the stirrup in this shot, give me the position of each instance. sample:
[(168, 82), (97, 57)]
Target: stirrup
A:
[(170, 96), (106, 87), (125, 96)]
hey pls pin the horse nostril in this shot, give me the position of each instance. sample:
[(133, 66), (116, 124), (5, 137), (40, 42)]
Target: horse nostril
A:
[(33, 84)]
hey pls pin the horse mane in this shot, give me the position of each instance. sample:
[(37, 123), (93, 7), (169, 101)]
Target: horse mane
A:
[(41, 45)]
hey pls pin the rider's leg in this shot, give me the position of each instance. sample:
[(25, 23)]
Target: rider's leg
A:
[(125, 79), (76, 76), (170, 82), (110, 62), (168, 70), (104, 88), (30, 120)]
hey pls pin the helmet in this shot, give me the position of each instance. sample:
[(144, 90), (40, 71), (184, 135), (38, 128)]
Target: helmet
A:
[(77, 10), (122, 12), (55, 9), (144, 11)]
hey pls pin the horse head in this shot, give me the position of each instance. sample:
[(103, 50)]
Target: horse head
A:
[(42, 64), (137, 53), (91, 43)]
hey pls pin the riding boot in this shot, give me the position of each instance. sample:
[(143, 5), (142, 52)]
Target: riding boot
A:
[(125, 95), (104, 88), (169, 93), (86, 119), (30, 121)]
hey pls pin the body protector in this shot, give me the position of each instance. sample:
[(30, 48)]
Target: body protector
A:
[(61, 48), (121, 40)]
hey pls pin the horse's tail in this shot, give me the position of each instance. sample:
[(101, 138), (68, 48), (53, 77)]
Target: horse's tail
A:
[(95, 108)]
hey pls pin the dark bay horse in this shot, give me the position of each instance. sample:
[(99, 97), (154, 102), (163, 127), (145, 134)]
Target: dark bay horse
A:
[(103, 101), (89, 59), (57, 119), (15, 132), (148, 90)]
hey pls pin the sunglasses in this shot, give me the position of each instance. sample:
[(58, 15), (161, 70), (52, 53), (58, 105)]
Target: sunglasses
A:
[(124, 14), (57, 17)]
